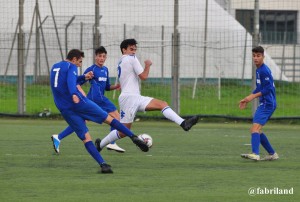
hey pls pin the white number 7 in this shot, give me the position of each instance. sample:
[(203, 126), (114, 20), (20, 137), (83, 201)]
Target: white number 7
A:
[(56, 76)]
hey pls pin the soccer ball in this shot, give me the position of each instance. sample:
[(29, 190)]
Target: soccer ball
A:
[(147, 139)]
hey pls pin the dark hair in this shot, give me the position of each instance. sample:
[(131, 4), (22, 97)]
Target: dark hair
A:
[(127, 42), (75, 53), (100, 50), (258, 49)]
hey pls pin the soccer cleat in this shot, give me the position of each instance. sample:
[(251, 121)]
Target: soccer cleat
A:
[(105, 168), (187, 124), (97, 144), (140, 143), (270, 157), (115, 147), (56, 143), (251, 156)]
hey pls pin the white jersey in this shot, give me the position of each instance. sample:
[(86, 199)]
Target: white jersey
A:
[(129, 68)]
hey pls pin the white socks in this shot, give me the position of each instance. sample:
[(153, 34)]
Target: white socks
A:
[(111, 137), (171, 115)]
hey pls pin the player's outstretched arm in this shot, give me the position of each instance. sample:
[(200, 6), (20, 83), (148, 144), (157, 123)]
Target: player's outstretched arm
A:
[(243, 104), (249, 98)]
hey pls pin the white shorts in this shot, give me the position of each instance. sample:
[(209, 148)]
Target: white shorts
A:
[(130, 104)]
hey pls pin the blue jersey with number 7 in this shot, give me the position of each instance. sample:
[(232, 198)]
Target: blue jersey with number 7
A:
[(63, 81)]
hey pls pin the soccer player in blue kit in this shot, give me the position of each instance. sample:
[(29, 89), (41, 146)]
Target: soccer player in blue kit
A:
[(265, 90), (76, 108), (98, 85)]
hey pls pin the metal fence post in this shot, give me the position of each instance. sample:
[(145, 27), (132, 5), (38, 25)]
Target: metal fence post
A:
[(255, 43), (175, 63), (96, 33), (21, 62)]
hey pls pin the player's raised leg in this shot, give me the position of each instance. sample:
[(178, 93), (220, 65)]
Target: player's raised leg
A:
[(170, 114)]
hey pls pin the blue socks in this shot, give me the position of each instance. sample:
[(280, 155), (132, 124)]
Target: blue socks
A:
[(257, 139), (90, 147), (255, 142), (120, 127), (266, 144), (65, 133)]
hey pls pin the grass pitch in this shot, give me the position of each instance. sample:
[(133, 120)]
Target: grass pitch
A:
[(203, 164)]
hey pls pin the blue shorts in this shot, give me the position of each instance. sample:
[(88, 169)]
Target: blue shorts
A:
[(84, 110), (263, 114), (106, 105)]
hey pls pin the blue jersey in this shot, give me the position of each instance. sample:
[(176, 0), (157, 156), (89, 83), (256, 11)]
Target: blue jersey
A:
[(63, 81), (99, 84), (265, 85)]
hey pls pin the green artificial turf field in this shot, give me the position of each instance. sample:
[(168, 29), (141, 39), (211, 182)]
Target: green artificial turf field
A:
[(203, 164)]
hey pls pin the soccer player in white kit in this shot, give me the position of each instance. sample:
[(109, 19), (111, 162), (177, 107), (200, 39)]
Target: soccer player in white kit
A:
[(130, 72)]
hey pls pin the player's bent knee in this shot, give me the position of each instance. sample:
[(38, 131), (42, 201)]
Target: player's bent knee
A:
[(256, 128), (156, 104), (163, 104), (115, 114), (121, 135), (253, 130), (87, 138)]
